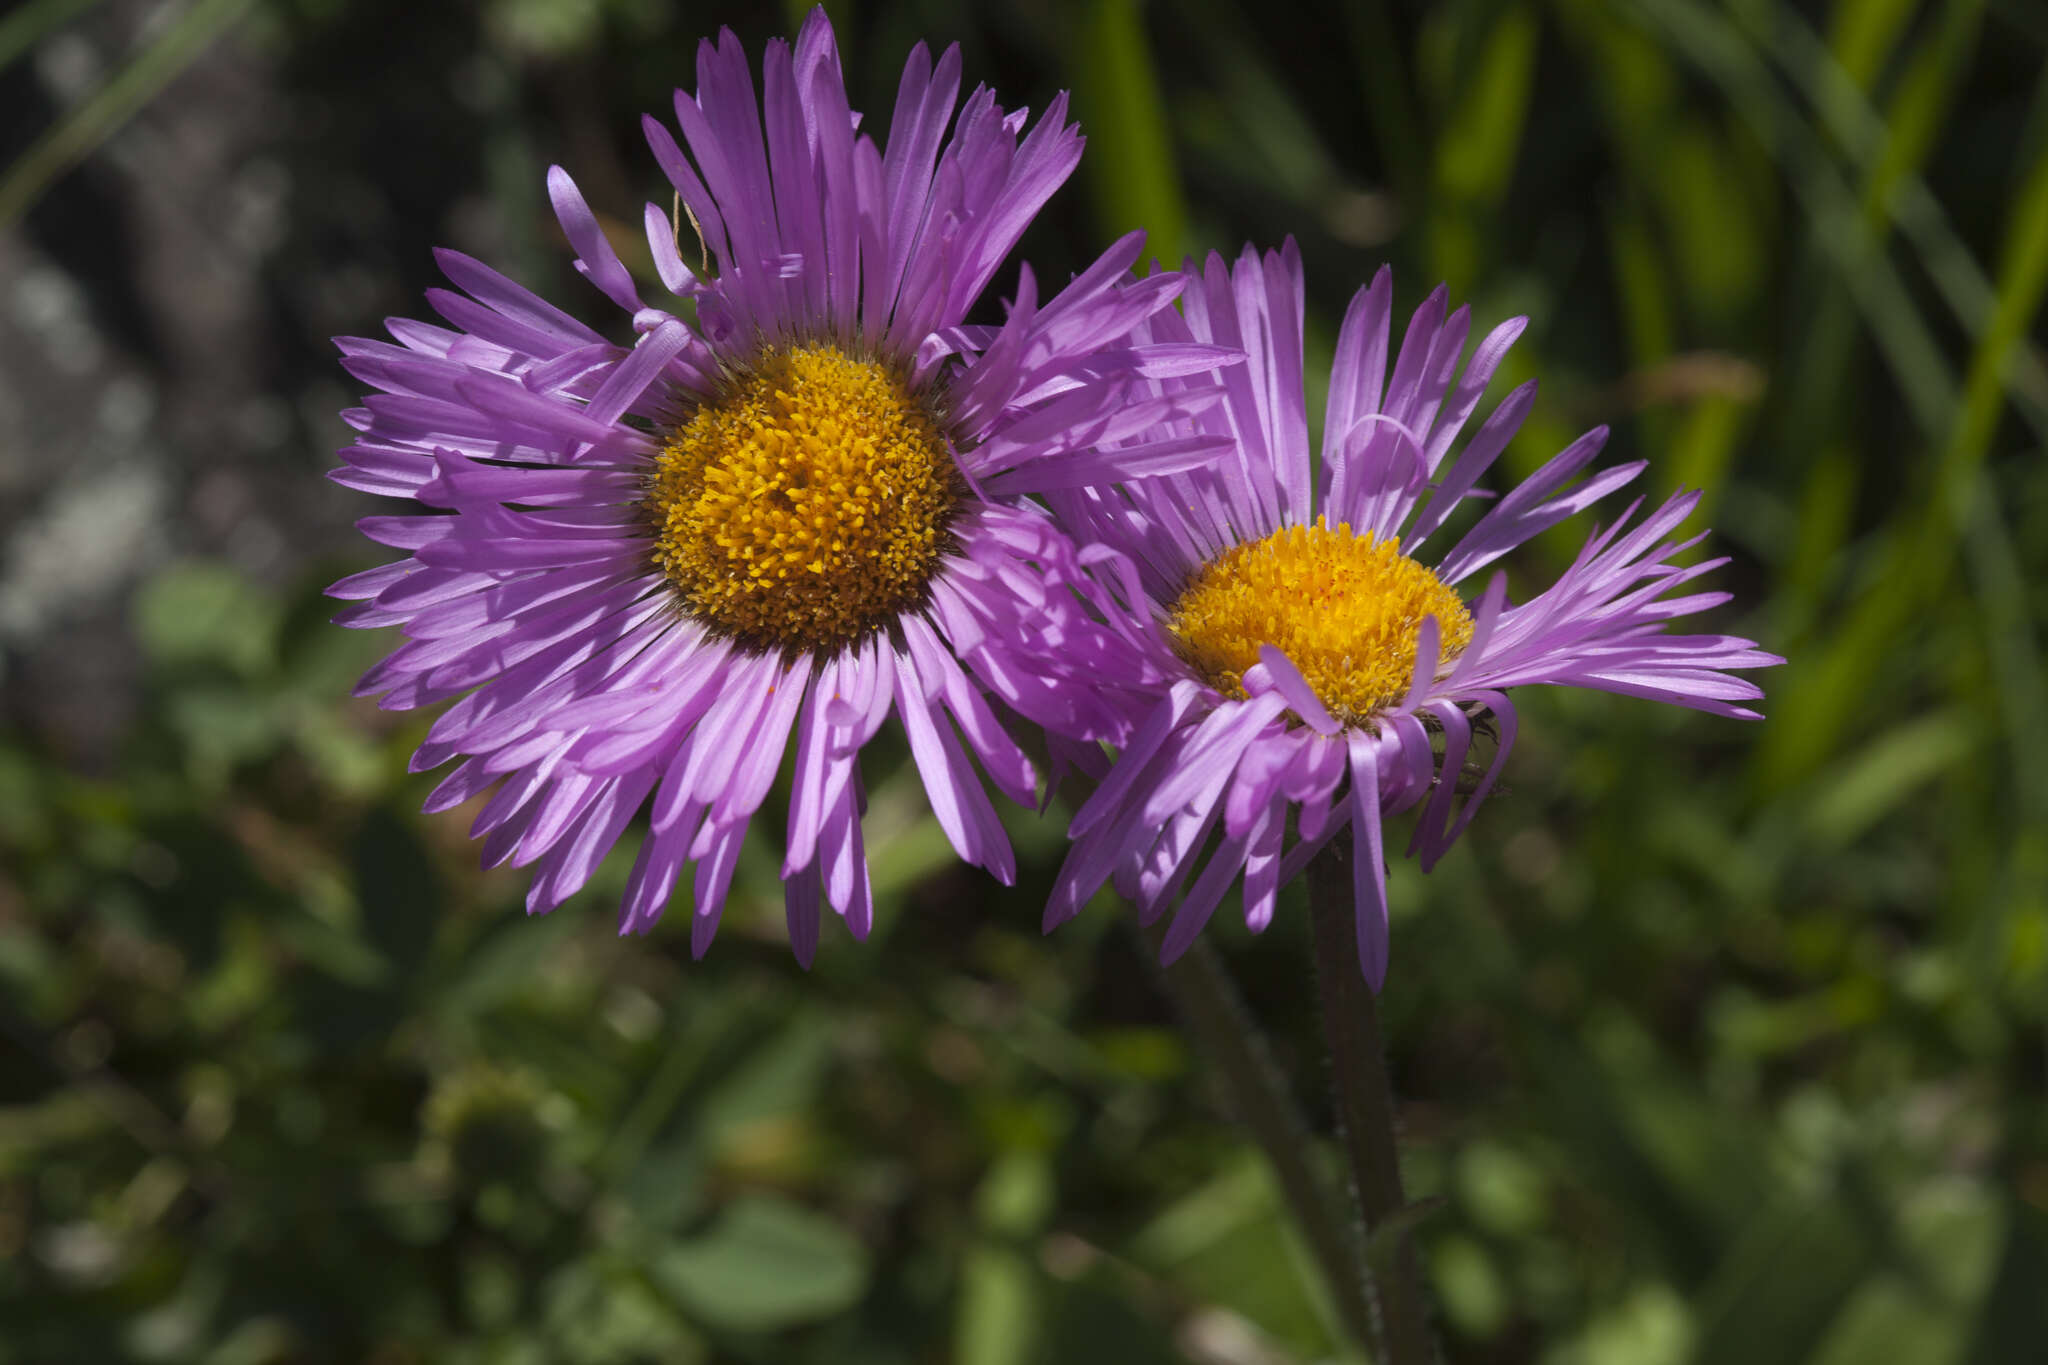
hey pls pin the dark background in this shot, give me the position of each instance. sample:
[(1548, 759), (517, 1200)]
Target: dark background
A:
[(1720, 1042)]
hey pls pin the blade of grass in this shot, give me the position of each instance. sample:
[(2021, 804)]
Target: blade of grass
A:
[(2011, 643), (1475, 151), (79, 133), (1268, 136), (1864, 34), (1474, 157), (1389, 103), (1822, 699), (1922, 555), (1727, 56), (1130, 142), (1815, 383), (1891, 147), (22, 30)]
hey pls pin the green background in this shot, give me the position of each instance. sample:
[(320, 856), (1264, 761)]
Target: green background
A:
[(1719, 1042)]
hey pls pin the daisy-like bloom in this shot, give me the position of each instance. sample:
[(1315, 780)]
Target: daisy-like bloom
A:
[(1302, 644), (795, 505)]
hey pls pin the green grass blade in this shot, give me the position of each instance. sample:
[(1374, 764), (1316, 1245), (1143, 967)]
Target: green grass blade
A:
[(1864, 34), (29, 25), (1921, 560), (1390, 102), (78, 134), (1131, 159), (1891, 148)]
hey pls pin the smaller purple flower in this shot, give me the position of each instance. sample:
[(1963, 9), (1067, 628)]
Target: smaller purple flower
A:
[(1298, 647), (786, 511)]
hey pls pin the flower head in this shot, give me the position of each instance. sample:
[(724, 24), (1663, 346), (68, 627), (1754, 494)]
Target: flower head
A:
[(793, 506), (1300, 648)]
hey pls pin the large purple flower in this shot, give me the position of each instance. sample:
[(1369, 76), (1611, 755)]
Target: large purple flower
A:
[(797, 506), (1292, 654)]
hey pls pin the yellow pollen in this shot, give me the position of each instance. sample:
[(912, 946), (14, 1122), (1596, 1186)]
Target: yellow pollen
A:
[(808, 505), (1345, 608)]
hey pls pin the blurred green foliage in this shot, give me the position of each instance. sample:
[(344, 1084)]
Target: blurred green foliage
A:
[(1720, 1044)]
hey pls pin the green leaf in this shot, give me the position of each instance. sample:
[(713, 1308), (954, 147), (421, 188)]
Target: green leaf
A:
[(1470, 1286), (1230, 1243), (1886, 773), (1502, 1187), (1017, 1195), (777, 1079), (1097, 1324), (999, 1308), (81, 131), (398, 891), (1785, 1281), (767, 1264), (1650, 1327), (1865, 32), (29, 25), (1130, 145), (2014, 1317), (1475, 153), (206, 614)]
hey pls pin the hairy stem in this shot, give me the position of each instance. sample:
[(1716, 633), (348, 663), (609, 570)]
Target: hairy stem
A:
[(1259, 1097), (1365, 1114)]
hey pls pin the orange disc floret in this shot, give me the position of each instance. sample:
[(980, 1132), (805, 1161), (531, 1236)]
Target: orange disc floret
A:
[(1346, 608), (806, 507)]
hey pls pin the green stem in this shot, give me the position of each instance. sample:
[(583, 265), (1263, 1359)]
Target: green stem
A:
[(1365, 1114), (1260, 1099)]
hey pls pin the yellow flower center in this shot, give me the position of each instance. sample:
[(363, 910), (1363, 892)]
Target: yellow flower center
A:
[(1345, 608), (808, 505)]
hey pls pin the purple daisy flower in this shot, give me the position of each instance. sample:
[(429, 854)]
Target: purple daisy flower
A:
[(797, 507), (1292, 652)]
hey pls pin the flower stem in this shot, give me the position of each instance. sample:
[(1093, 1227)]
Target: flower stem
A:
[(1365, 1114), (1259, 1097)]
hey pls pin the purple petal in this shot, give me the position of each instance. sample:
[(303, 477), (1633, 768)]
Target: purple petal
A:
[(1368, 860)]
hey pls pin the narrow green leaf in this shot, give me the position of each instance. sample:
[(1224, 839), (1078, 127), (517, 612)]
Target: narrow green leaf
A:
[(80, 132), (999, 1308), (398, 891), (2014, 1317), (1475, 152), (1886, 773), (22, 30), (1784, 1282), (1865, 33), (1922, 558), (1131, 160)]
